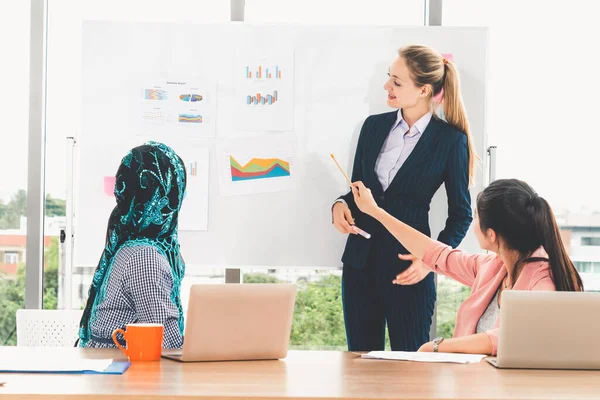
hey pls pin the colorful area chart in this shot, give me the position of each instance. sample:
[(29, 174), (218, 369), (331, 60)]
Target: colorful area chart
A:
[(259, 168), (193, 98), (190, 118), (155, 94)]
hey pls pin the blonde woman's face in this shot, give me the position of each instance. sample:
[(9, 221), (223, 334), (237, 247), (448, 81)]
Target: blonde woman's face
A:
[(402, 91)]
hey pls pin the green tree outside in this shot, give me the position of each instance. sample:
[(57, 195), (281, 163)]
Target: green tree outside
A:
[(318, 315), (318, 321), (12, 294), (11, 299), (450, 295), (259, 277), (12, 291), (10, 213), (55, 207)]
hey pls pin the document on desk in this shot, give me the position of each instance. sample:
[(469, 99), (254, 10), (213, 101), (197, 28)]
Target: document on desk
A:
[(425, 357), (68, 365)]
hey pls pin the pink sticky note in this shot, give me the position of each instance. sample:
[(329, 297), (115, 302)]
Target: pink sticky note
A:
[(109, 185), (448, 57), (438, 98)]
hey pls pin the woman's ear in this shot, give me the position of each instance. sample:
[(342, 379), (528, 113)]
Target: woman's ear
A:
[(491, 235), (426, 90)]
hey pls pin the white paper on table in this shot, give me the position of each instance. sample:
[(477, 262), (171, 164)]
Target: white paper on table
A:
[(55, 365), (425, 357)]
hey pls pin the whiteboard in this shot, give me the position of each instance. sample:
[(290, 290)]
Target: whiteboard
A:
[(338, 77)]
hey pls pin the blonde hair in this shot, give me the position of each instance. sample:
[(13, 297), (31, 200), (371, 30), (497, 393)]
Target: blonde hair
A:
[(427, 67)]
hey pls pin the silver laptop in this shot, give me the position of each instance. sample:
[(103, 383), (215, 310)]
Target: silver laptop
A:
[(549, 330), (231, 322)]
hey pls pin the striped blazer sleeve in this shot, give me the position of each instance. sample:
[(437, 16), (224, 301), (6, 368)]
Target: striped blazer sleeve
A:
[(456, 182)]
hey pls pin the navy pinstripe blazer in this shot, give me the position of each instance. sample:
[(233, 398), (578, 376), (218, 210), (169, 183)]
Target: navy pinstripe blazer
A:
[(440, 156)]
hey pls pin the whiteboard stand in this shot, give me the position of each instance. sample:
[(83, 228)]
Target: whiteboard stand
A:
[(233, 275), (68, 288), (491, 163), (237, 10)]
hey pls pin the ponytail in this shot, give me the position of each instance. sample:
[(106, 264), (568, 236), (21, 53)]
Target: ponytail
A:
[(565, 276), (427, 67), (454, 111)]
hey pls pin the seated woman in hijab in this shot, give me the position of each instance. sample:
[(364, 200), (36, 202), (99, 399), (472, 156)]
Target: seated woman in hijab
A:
[(138, 278)]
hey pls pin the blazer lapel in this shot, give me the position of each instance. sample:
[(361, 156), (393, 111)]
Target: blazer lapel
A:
[(382, 131), (420, 151)]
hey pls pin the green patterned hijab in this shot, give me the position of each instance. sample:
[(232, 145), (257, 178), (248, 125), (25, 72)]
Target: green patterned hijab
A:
[(149, 189)]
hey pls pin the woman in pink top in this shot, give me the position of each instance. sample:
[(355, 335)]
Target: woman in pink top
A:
[(512, 221)]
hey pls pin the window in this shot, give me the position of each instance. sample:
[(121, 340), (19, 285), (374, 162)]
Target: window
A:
[(14, 103), (63, 110), (318, 322), (526, 51), (525, 54), (11, 257), (590, 241), (583, 266), (450, 295)]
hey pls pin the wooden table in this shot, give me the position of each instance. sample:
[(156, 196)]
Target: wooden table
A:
[(302, 375)]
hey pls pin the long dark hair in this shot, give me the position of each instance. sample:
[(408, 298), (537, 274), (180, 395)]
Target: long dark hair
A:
[(525, 222)]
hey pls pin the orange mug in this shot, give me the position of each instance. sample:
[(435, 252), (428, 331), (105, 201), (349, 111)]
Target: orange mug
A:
[(143, 341)]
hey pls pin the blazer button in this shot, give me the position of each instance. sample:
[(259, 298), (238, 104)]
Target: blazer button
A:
[(381, 198)]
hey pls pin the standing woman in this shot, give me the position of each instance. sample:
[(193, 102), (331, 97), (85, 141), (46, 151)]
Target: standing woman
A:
[(404, 156)]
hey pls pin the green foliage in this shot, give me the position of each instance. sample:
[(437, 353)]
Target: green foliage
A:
[(12, 298), (12, 291), (55, 207), (450, 295), (260, 278), (318, 316), (10, 213), (51, 276)]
